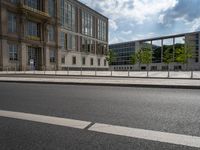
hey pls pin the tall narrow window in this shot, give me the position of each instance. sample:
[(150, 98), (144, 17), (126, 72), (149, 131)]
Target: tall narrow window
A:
[(68, 15), (87, 24), (13, 52), (71, 42), (51, 8), (12, 23), (74, 60), (83, 60), (99, 62), (51, 33), (62, 40), (102, 30), (52, 55), (91, 61)]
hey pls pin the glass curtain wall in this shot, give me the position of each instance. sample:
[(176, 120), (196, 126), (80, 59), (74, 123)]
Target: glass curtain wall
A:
[(179, 42), (168, 46), (156, 51)]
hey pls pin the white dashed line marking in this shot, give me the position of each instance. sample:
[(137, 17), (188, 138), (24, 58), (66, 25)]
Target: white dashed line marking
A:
[(46, 119), (171, 138)]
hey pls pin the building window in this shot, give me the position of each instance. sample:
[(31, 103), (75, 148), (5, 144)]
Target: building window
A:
[(74, 60), (68, 15), (63, 60), (33, 4), (105, 62), (83, 60), (33, 29), (102, 30), (91, 61), (99, 62), (51, 33), (154, 68), (87, 24), (13, 52), (12, 22), (14, 1), (164, 68), (70, 42), (52, 55), (62, 40), (51, 8)]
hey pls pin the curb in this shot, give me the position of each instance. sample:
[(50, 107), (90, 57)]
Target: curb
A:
[(107, 84)]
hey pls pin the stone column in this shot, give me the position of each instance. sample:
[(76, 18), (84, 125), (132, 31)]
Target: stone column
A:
[(23, 56), (5, 54)]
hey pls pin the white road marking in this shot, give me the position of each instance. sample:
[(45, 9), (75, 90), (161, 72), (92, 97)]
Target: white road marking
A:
[(191, 141), (45, 119), (171, 138)]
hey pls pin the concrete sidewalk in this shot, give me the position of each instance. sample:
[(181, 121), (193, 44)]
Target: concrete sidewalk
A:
[(106, 81)]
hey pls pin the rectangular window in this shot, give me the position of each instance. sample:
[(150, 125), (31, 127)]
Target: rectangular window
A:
[(62, 40), (14, 1), (87, 24), (51, 33), (83, 60), (68, 15), (71, 42), (63, 60), (13, 52), (33, 29), (102, 30), (52, 56), (99, 62), (12, 23), (91, 61), (33, 3), (74, 60), (105, 62), (51, 8)]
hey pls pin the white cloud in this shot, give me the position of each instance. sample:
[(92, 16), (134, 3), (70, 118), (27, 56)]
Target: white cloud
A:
[(136, 10), (126, 32), (113, 24)]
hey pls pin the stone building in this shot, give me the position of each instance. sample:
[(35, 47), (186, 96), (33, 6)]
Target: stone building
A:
[(51, 35)]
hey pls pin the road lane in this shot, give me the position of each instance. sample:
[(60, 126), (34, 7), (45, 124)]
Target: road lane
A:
[(165, 110)]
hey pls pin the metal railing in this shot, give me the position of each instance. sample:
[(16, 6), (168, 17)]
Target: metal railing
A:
[(43, 70)]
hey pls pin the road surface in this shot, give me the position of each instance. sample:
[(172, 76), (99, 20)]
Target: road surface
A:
[(162, 111)]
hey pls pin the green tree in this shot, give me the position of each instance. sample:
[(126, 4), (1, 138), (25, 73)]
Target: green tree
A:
[(184, 53), (168, 57), (133, 58), (110, 56)]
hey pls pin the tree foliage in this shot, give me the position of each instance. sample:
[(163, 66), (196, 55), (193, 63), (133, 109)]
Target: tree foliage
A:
[(168, 56), (184, 53), (110, 56), (143, 56)]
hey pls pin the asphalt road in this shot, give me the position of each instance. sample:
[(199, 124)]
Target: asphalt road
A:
[(166, 110)]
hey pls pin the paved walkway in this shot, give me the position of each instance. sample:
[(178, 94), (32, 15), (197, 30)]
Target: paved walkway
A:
[(105, 81)]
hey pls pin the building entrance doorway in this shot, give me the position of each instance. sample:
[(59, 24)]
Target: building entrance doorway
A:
[(34, 58)]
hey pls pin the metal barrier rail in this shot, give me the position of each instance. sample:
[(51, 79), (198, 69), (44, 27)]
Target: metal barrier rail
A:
[(95, 72)]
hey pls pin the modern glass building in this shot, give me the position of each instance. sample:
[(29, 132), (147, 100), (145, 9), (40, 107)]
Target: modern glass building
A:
[(158, 47), (51, 34)]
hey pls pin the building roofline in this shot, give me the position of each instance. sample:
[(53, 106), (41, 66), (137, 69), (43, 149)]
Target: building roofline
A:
[(84, 5), (157, 38)]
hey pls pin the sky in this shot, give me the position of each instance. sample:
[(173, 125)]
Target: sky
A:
[(140, 19)]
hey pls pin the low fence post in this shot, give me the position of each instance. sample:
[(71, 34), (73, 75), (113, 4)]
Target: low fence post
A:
[(67, 70), (192, 74)]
